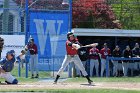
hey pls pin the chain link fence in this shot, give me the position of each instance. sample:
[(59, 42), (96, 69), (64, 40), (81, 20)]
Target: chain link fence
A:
[(120, 14), (103, 14), (13, 21), (12, 13)]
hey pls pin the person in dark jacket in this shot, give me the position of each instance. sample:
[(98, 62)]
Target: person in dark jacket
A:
[(116, 53), (136, 53), (127, 53)]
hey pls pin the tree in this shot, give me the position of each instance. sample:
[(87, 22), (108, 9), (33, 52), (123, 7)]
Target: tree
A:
[(93, 14)]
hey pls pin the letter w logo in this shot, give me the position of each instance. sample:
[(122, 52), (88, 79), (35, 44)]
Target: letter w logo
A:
[(42, 31)]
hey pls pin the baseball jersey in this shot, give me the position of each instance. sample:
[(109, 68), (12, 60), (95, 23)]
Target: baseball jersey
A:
[(7, 65), (69, 49), (136, 52), (32, 49), (105, 52), (127, 54), (116, 53), (94, 53), (83, 53)]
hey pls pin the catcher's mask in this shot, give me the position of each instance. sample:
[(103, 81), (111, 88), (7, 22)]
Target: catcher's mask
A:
[(11, 52), (69, 34)]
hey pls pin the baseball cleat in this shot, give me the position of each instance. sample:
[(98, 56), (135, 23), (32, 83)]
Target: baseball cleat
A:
[(54, 82), (90, 82), (37, 76)]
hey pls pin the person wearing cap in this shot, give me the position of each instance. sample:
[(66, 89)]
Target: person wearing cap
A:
[(94, 56), (136, 53), (116, 53), (72, 46), (7, 65), (105, 51), (32, 48), (127, 53)]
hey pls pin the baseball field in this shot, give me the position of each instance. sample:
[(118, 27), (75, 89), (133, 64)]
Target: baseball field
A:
[(73, 85)]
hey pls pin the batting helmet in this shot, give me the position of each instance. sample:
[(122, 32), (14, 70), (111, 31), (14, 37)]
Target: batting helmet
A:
[(31, 40), (69, 34)]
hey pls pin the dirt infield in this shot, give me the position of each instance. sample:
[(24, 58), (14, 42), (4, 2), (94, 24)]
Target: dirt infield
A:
[(63, 85)]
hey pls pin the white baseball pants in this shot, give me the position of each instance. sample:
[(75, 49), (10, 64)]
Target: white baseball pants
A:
[(76, 61)]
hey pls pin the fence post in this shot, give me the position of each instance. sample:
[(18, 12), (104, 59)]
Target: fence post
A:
[(19, 70), (70, 13), (53, 65), (26, 22), (26, 65), (26, 69), (27, 30), (107, 66)]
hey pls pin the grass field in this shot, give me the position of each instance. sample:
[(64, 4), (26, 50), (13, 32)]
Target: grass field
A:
[(43, 75), (110, 79), (77, 91)]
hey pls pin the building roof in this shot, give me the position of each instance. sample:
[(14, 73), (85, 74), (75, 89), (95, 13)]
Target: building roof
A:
[(106, 32)]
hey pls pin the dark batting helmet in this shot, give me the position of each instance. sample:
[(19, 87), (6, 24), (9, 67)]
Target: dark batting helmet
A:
[(31, 40), (69, 34)]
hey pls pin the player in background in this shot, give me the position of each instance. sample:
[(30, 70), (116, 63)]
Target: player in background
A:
[(83, 53), (127, 53), (72, 46), (94, 56), (7, 65), (105, 51), (32, 48), (116, 53), (136, 53)]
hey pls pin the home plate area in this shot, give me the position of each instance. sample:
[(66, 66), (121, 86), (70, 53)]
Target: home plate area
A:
[(62, 84)]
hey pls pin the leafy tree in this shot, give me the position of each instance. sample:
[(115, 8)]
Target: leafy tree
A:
[(94, 14)]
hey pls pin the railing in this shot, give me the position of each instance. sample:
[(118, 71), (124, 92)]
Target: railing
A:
[(117, 59)]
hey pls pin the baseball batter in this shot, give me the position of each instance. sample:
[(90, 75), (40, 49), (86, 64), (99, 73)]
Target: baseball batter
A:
[(7, 65), (72, 45)]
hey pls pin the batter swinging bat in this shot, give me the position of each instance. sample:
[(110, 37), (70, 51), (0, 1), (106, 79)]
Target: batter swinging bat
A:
[(77, 46)]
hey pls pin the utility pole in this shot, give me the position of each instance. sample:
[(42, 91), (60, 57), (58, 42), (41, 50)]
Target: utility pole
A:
[(5, 16)]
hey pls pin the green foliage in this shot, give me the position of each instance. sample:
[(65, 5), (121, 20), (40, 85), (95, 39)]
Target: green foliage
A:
[(42, 74), (128, 12)]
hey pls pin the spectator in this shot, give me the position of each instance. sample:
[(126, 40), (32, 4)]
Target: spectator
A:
[(136, 53), (94, 56), (32, 47), (116, 53), (127, 53), (105, 51)]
